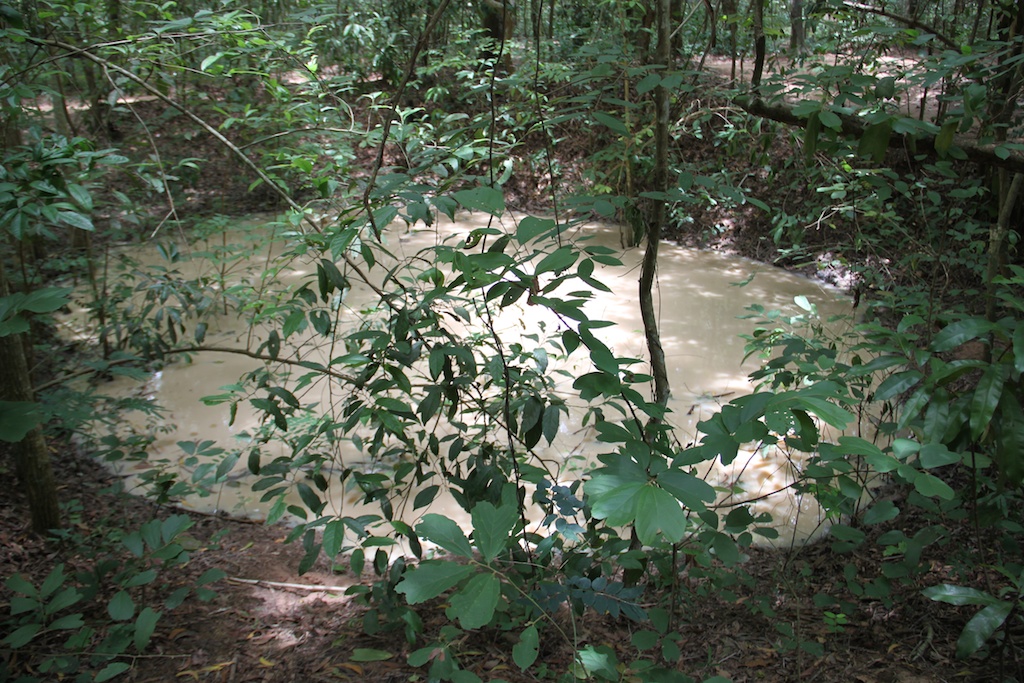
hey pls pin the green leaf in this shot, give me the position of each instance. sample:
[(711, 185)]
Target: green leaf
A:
[(531, 227), (986, 397), (524, 653), (960, 332), (474, 605), (882, 511), (658, 515), (445, 533), (492, 528), (690, 490), (482, 198), (937, 455), (76, 220), (362, 654), (811, 137), (333, 538), (616, 505), (22, 636), (829, 119), (557, 261), (980, 628), (144, 627), (429, 579), (648, 83), (875, 141), (829, 412), (944, 140), (18, 418), (896, 384), (959, 595), (611, 122), (549, 426), (931, 486), (112, 670), (121, 607)]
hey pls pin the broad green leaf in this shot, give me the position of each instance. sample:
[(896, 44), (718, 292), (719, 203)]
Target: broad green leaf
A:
[(931, 486), (549, 426), (811, 137), (690, 490), (425, 496), (531, 227), (600, 661), (474, 604), (596, 384), (362, 654), (645, 640), (829, 119), (959, 595), (885, 89), (882, 511), (648, 83), (144, 627), (445, 533), (986, 397), (617, 505), (429, 579), (76, 220), (980, 628), (492, 528), (658, 516), (111, 671), (611, 122), (1010, 442), (121, 607), (894, 385), (960, 332), (944, 140), (875, 141), (18, 418), (557, 261), (482, 198), (829, 412), (22, 636), (524, 653), (333, 538), (937, 455)]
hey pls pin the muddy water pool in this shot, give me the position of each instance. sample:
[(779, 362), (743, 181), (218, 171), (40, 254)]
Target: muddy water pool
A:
[(700, 302)]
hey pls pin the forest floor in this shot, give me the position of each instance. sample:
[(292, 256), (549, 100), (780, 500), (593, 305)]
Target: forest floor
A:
[(268, 623)]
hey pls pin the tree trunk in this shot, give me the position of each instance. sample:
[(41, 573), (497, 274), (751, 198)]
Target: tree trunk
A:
[(760, 44), (796, 26), (659, 369), (31, 455)]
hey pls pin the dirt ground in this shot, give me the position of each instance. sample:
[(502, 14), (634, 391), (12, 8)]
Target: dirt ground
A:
[(269, 624)]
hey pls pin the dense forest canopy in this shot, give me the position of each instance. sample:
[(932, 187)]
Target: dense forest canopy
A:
[(876, 143)]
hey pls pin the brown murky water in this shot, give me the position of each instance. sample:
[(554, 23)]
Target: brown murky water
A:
[(699, 302)]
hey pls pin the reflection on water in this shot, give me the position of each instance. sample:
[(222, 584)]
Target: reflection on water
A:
[(699, 301)]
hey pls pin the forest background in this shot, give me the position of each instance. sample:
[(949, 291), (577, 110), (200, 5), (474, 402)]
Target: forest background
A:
[(877, 144)]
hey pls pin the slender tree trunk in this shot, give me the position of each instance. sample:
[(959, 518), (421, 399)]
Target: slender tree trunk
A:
[(659, 369), (757, 6), (31, 455), (796, 26)]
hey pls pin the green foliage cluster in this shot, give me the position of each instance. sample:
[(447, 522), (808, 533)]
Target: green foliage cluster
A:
[(924, 398), (119, 602)]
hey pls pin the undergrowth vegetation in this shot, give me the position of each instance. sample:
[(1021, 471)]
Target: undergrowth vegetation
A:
[(357, 126)]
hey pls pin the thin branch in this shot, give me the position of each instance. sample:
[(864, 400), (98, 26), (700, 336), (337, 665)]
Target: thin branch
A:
[(908, 21), (985, 155)]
